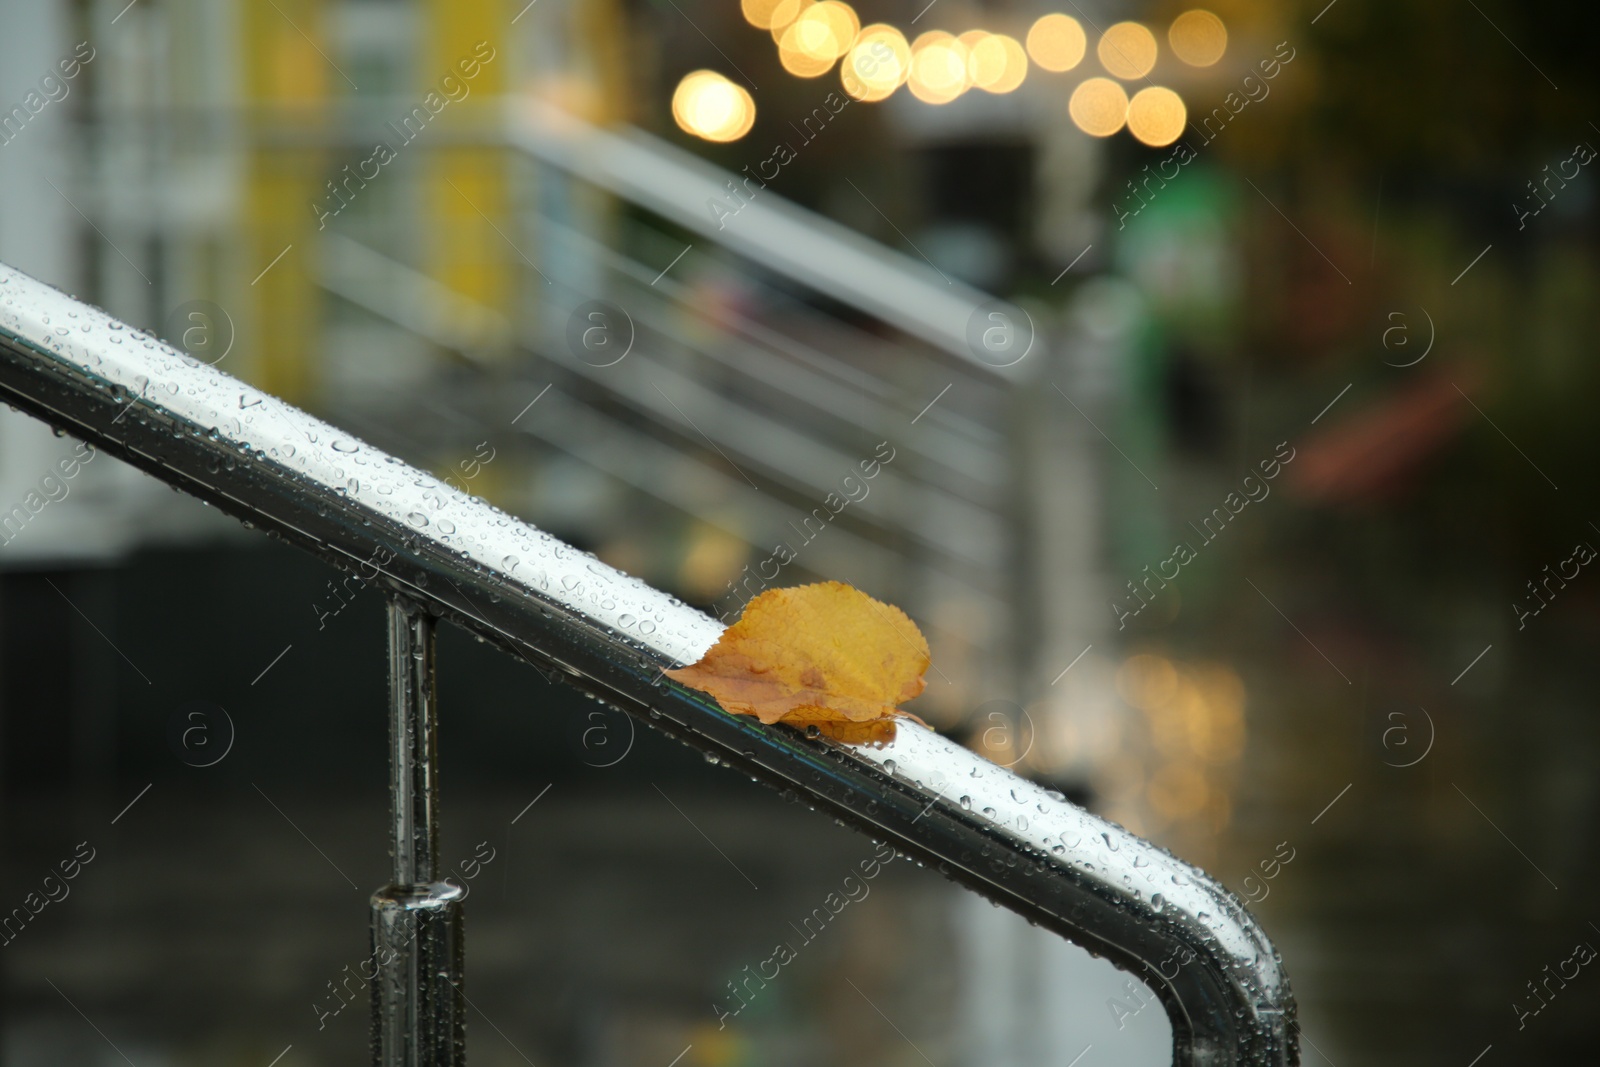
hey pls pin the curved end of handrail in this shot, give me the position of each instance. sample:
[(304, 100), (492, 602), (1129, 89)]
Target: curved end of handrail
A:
[(1192, 941)]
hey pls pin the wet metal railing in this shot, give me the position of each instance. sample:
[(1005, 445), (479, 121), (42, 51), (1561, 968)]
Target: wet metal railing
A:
[(445, 555)]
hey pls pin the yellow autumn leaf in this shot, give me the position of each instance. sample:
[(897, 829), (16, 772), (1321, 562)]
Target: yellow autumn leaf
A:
[(824, 655)]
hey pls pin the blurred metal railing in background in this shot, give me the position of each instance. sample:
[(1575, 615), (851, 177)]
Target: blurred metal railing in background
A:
[(755, 406), (444, 554)]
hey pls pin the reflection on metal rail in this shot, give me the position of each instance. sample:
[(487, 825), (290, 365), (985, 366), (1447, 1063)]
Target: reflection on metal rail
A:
[(447, 555)]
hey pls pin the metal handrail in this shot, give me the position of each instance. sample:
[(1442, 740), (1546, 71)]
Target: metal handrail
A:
[(445, 554)]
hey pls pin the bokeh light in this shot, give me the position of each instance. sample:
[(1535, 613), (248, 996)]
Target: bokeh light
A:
[(1127, 50), (774, 15), (938, 68), (1099, 107), (878, 63), (1178, 791), (1156, 116), (996, 63), (796, 59), (823, 32), (711, 107), (1056, 42), (1147, 681), (759, 13), (1198, 37)]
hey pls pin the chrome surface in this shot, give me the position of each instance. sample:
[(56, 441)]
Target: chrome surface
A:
[(460, 559), (418, 1011), (413, 743)]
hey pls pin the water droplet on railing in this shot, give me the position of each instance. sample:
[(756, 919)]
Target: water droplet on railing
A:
[(417, 518), (341, 445)]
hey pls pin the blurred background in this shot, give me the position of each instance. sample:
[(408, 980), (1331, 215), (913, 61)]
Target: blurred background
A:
[(1251, 507)]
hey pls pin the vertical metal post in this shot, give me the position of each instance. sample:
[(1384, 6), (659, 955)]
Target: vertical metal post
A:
[(418, 1015)]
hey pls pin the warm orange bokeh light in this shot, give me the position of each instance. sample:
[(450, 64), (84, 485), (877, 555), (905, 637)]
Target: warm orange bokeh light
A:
[(938, 68), (1198, 37), (877, 65), (778, 15), (1147, 681), (713, 108), (759, 13), (796, 59), (1056, 42), (1156, 116), (1127, 51), (1099, 107), (996, 63), (823, 31)]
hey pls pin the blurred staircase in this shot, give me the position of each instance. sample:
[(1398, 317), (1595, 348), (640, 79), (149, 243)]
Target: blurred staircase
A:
[(741, 376)]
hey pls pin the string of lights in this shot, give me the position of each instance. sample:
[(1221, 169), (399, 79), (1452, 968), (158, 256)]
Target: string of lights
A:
[(938, 67)]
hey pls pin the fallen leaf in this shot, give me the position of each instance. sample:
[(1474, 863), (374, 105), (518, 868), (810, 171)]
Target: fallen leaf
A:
[(826, 656), (878, 731)]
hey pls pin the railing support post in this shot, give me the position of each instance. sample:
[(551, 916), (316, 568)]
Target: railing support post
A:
[(418, 1007)]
